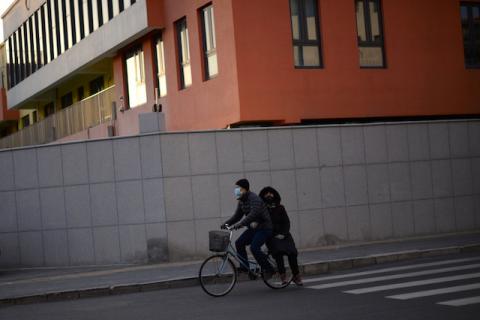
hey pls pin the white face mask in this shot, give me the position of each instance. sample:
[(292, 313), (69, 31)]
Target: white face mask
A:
[(237, 192)]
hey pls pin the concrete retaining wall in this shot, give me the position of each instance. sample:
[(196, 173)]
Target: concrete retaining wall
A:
[(155, 197)]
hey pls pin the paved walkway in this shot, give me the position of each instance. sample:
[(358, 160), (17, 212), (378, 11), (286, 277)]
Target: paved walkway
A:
[(45, 284)]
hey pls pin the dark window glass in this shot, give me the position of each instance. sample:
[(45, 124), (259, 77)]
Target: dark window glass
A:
[(121, 5), (209, 42), (21, 49), (90, 16), (133, 1), (96, 85), (16, 53), (39, 38), (183, 53), (370, 33), (100, 12), (110, 9), (67, 24), (305, 33), (26, 121), (26, 53), (66, 100), (33, 46), (470, 16), (73, 21), (34, 116), (81, 19), (57, 29), (10, 63), (49, 109), (80, 94), (52, 33), (45, 43)]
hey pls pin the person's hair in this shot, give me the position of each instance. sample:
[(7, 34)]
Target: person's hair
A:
[(243, 183)]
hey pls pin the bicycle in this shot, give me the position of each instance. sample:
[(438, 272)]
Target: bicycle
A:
[(218, 274)]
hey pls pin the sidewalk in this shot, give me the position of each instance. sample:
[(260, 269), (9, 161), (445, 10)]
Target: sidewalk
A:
[(50, 284)]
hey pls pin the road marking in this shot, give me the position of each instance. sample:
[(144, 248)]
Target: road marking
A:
[(428, 293), (461, 302), (364, 273), (395, 276), (413, 283)]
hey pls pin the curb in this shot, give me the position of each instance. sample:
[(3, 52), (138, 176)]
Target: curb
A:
[(312, 268)]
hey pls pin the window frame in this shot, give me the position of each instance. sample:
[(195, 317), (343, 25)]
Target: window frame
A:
[(369, 43), (178, 26), (132, 53), (156, 40), (303, 41), (205, 52), (471, 28)]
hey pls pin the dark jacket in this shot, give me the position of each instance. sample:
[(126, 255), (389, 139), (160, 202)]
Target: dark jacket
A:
[(253, 209), (281, 225)]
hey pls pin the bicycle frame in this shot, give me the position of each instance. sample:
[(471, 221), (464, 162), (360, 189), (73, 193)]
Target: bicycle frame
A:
[(252, 264)]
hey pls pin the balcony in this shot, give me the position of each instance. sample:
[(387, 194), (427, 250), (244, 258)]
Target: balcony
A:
[(90, 112)]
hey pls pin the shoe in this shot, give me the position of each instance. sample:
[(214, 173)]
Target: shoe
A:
[(298, 280)]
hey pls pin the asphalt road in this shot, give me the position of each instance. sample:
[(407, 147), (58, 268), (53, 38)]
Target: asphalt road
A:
[(337, 296)]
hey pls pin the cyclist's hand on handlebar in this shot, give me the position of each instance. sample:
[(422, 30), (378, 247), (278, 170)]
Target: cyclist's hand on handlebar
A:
[(237, 226), (224, 226)]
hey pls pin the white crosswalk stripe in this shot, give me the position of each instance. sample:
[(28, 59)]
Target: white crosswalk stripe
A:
[(395, 276), (433, 292), (414, 283), (463, 271), (461, 302), (385, 270)]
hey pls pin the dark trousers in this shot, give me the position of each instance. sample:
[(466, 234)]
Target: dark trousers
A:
[(292, 261), (256, 239)]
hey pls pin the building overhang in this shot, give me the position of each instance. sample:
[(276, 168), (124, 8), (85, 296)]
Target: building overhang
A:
[(106, 41)]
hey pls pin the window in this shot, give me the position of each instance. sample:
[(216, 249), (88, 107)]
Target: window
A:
[(80, 94), (137, 91), (369, 33), (209, 42), (34, 116), (160, 60), (26, 121), (49, 109), (184, 53), (66, 100), (96, 85), (470, 14), (305, 33)]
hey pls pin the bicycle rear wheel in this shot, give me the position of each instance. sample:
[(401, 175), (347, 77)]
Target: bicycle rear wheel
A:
[(277, 281), (217, 275)]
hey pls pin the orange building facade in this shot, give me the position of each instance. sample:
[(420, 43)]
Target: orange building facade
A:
[(274, 62), (425, 72)]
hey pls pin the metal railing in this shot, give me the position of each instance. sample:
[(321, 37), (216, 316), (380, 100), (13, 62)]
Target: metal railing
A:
[(80, 116)]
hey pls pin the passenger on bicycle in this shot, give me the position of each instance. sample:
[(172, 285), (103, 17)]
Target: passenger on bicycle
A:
[(257, 219), (282, 242)]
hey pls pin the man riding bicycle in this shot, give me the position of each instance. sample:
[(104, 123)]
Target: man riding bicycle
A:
[(257, 220)]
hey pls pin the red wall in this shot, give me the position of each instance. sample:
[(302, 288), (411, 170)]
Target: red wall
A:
[(205, 104), (425, 72)]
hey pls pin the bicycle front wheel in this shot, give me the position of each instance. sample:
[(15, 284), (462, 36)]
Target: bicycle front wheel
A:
[(217, 275)]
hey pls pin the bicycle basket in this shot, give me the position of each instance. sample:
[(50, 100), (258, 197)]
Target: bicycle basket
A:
[(218, 240)]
